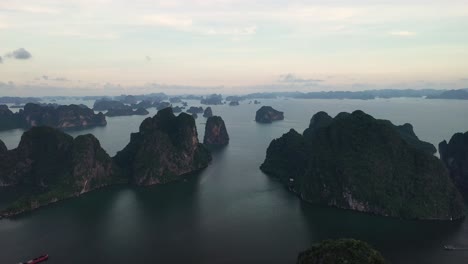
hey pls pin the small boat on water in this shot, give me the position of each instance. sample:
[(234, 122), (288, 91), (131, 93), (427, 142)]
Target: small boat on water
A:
[(37, 260), (450, 247)]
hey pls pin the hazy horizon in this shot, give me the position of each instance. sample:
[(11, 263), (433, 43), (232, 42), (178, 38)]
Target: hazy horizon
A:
[(112, 47)]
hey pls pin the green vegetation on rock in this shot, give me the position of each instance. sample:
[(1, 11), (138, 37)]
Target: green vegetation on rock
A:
[(341, 251), (356, 162)]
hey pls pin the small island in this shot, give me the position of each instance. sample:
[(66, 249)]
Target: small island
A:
[(267, 114), (215, 132), (208, 112)]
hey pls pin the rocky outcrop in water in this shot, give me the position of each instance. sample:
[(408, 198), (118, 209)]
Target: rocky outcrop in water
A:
[(454, 154), (214, 99), (356, 162), (177, 109), (234, 103), (215, 132), (127, 111), (208, 112), (104, 105), (8, 119), (341, 251), (162, 105), (266, 114), (55, 166), (62, 116), (165, 148), (195, 110), (143, 104)]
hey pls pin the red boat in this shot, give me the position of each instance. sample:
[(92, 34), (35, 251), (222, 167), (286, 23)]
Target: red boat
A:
[(37, 260)]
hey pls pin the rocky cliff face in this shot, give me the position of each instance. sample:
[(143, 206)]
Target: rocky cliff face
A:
[(348, 251), (62, 117), (266, 114), (215, 132), (454, 154), (165, 148), (208, 112), (3, 148), (356, 162), (8, 120), (55, 166)]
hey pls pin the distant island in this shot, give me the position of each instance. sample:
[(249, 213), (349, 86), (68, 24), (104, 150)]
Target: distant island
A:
[(54, 166), (357, 162), (267, 114), (58, 116), (452, 94)]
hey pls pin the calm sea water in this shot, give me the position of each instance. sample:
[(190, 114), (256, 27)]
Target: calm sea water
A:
[(230, 212)]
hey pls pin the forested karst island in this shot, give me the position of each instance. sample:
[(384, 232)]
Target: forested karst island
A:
[(357, 162), (55, 166)]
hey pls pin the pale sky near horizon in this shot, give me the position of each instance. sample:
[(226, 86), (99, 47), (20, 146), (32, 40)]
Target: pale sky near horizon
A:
[(88, 47)]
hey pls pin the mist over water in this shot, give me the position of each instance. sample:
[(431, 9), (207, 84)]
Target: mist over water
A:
[(230, 212)]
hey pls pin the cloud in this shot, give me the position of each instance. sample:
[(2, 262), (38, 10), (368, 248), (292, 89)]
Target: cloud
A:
[(402, 33), (48, 78), (187, 24), (293, 79), (19, 54)]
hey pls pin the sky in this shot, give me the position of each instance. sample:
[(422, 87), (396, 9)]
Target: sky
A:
[(110, 47)]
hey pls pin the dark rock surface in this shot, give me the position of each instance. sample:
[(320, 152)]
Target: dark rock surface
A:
[(55, 166), (454, 154), (266, 114), (360, 163), (165, 148), (208, 112), (341, 251), (215, 132), (62, 117), (3, 147), (234, 103), (8, 119)]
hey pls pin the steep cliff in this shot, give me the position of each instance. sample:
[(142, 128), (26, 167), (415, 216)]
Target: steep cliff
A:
[(360, 163), (55, 166), (454, 154), (208, 112), (215, 132), (165, 148)]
